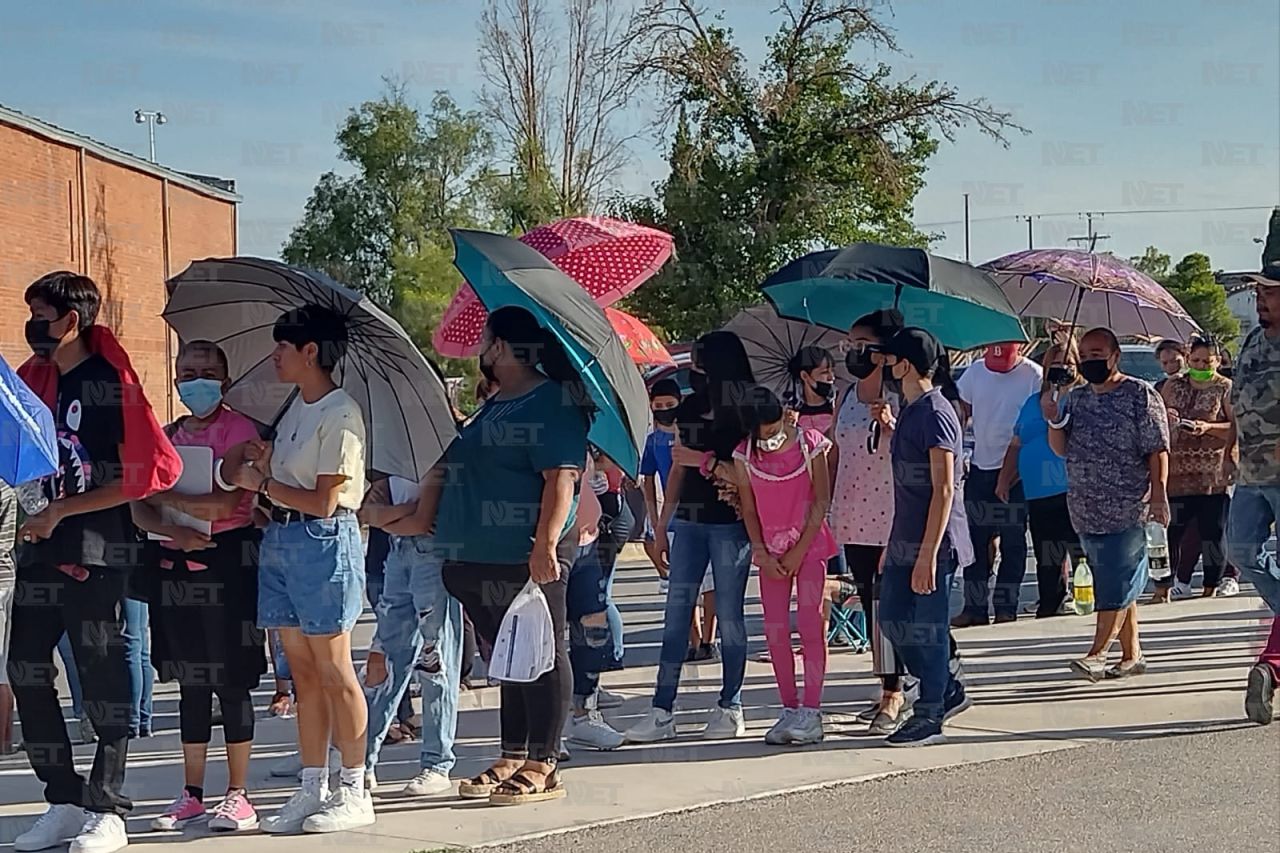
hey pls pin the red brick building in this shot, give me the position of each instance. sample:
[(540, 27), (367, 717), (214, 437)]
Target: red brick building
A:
[(68, 202)]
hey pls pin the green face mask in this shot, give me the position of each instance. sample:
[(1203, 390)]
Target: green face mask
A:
[(1201, 375)]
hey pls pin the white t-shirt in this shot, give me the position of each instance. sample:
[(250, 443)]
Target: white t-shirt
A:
[(996, 399), (322, 438)]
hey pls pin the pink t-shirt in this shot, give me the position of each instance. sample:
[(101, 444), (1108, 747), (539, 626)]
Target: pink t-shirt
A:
[(783, 489), (227, 430)]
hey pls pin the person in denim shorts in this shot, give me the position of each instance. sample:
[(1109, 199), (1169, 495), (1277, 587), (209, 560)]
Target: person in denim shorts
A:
[(311, 565)]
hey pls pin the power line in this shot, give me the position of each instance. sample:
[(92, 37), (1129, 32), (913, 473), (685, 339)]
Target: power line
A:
[(1022, 217)]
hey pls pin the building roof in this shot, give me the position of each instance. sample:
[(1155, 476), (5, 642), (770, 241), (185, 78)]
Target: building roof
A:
[(219, 188), (1233, 282)]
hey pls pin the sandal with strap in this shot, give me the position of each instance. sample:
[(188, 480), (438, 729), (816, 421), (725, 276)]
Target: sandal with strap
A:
[(480, 787), (520, 790)]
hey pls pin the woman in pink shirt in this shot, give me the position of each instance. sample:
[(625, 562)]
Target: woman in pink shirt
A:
[(204, 594)]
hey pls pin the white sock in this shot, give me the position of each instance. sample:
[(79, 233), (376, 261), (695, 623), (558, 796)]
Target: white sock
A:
[(351, 777), (315, 779)]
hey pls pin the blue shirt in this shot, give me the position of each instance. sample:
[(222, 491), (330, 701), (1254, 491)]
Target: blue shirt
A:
[(929, 422), (656, 459), (493, 484), (1043, 472)]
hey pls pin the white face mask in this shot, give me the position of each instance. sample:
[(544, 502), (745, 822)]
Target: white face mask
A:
[(773, 442)]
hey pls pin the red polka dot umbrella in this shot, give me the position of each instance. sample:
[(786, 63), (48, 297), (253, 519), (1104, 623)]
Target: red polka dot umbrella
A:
[(608, 257), (638, 339)]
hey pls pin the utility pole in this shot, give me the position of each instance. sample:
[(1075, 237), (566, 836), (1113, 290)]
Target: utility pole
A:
[(1091, 237), (150, 118), (1031, 240), (966, 228)]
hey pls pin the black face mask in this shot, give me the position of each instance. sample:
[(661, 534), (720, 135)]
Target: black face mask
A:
[(486, 370), (698, 382), (888, 382), (858, 364), (38, 338), (666, 417), (823, 389), (1095, 370), (1061, 375)]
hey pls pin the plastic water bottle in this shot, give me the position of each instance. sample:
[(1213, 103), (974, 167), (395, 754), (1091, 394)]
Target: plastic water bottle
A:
[(1082, 588), (1157, 552)]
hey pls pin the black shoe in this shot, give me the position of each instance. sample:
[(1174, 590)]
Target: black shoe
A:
[(1002, 618), (691, 655), (969, 620), (957, 701), (1260, 695), (917, 731)]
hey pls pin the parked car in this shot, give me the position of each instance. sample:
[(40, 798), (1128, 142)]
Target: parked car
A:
[(1141, 361), (678, 371)]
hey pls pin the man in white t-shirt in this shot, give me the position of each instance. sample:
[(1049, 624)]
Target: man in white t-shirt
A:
[(992, 392)]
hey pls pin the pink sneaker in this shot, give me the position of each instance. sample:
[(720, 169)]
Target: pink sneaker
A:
[(181, 812), (234, 813)]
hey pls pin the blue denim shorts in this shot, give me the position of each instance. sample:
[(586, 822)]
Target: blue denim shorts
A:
[(1119, 565), (311, 576)]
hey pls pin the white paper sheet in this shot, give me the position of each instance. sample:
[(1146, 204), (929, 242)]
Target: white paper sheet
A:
[(196, 479)]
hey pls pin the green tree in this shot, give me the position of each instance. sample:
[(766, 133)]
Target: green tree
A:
[(1271, 251), (813, 148), (1192, 283), (384, 228), (1154, 263)]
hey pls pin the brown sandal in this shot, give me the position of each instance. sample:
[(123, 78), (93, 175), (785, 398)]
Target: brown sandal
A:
[(482, 786), (520, 790)]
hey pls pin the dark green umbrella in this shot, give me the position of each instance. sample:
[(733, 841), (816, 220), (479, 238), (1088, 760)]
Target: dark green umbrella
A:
[(504, 271)]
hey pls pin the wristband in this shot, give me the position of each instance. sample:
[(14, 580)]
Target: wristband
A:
[(1062, 423), (217, 478), (264, 486)]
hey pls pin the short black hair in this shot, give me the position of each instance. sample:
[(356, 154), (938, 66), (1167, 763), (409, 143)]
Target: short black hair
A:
[(763, 407), (1112, 340), (314, 324), (208, 348), (884, 322), (809, 359), (65, 291), (1171, 344), (665, 388)]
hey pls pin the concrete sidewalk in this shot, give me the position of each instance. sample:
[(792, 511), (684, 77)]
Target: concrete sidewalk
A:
[(1025, 702)]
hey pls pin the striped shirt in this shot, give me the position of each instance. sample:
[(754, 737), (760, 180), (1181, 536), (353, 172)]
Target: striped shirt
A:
[(8, 532)]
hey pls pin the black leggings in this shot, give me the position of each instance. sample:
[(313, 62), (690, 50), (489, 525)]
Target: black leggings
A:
[(864, 564), (1208, 513), (533, 714), (195, 714), (1054, 539)]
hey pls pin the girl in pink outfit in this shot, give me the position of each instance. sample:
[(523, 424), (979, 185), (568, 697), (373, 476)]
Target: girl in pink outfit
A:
[(784, 489)]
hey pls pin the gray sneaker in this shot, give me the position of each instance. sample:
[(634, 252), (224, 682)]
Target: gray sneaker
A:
[(725, 723), (778, 734), (806, 727)]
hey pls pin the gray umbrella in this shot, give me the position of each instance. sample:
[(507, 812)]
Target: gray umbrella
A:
[(235, 302), (503, 271), (772, 341)]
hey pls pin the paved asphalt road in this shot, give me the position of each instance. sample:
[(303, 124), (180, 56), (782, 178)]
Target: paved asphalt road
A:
[(1217, 791)]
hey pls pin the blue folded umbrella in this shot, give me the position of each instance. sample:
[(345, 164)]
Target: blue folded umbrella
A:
[(28, 439)]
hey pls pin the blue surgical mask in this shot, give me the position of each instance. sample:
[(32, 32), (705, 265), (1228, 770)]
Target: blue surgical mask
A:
[(201, 396)]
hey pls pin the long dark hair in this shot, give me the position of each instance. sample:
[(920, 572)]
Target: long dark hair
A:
[(534, 346), (730, 381)]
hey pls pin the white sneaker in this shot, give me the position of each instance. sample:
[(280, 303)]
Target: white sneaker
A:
[(725, 723), (777, 735), (1181, 592), (912, 691), (290, 767), (346, 808), (370, 781), (302, 805), (426, 783), (57, 826), (806, 727), (1228, 588), (664, 586), (606, 700), (591, 730), (657, 725), (102, 833)]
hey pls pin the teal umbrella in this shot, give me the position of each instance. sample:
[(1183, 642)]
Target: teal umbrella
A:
[(958, 303), (504, 271)]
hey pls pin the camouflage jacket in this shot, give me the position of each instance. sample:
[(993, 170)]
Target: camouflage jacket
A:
[(1255, 398)]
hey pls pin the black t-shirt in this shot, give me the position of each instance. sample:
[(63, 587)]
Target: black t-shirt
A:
[(90, 425), (699, 499)]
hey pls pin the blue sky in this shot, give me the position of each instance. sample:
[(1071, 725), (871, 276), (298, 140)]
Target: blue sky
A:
[(1132, 105)]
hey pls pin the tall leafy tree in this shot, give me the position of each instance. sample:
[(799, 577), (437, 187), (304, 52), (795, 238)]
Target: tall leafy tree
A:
[(1192, 283), (814, 147), (383, 228)]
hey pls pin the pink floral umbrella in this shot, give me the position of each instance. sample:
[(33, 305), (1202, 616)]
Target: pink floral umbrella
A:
[(1087, 290), (608, 257)]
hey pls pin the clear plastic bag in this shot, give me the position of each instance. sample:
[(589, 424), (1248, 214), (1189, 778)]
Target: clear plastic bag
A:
[(526, 643)]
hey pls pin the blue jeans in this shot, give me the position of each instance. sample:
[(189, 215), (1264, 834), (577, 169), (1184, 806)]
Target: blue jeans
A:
[(919, 629), (137, 638), (420, 632), (1120, 566), (989, 517), (728, 549), (592, 648), (311, 575), (375, 564), (73, 677), (1254, 513)]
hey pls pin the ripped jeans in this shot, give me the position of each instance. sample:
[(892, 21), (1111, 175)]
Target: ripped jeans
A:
[(593, 648), (420, 632)]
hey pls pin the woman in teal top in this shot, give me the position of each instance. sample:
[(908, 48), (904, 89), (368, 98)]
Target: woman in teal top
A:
[(1043, 475), (508, 500)]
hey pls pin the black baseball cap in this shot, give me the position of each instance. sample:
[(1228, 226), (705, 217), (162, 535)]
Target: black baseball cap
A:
[(918, 347), (1269, 277)]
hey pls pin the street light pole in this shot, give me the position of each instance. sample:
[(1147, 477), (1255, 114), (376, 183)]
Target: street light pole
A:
[(150, 118)]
